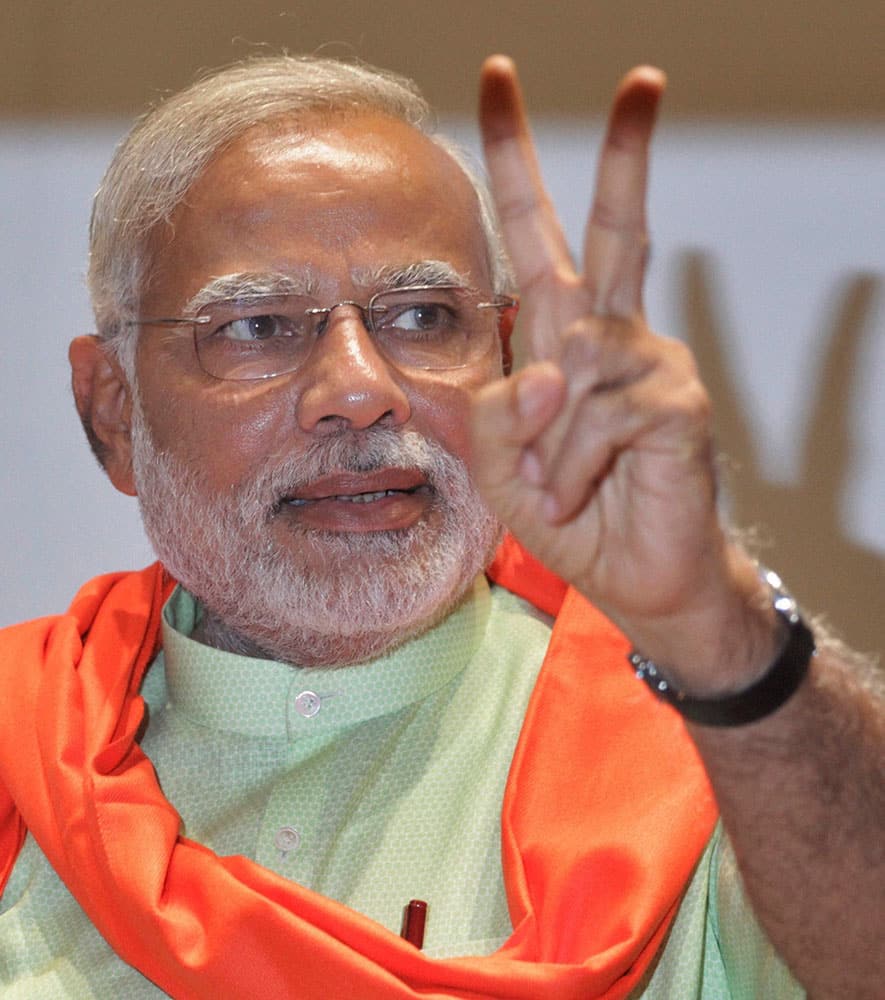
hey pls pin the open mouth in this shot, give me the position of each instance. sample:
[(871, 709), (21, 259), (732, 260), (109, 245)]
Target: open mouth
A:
[(385, 499), (360, 487), (368, 497)]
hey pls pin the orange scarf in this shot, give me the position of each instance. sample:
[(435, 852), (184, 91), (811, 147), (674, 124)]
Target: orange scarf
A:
[(605, 815)]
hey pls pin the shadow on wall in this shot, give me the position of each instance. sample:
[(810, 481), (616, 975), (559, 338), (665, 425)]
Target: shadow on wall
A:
[(799, 524)]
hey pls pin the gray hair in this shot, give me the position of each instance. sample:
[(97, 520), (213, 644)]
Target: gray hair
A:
[(169, 148)]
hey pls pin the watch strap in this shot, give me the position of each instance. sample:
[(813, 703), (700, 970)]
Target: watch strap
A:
[(775, 687)]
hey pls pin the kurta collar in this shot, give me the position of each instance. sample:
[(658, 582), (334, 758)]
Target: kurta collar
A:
[(267, 699)]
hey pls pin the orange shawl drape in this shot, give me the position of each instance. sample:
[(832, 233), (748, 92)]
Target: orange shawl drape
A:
[(605, 815)]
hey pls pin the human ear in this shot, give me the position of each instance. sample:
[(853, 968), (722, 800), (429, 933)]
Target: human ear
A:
[(104, 402)]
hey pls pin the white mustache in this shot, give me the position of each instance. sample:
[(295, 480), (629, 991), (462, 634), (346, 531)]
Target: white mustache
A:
[(351, 451)]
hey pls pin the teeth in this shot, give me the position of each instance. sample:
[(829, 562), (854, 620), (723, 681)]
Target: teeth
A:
[(350, 498), (367, 497)]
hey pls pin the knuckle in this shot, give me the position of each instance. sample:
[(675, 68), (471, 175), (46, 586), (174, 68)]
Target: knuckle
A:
[(690, 403), (624, 221)]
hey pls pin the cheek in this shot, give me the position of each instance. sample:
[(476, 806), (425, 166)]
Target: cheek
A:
[(442, 409), (227, 431), (231, 431)]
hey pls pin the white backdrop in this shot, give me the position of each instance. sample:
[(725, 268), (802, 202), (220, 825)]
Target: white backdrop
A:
[(784, 217)]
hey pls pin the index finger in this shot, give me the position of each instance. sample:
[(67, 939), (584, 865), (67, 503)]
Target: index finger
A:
[(531, 230), (616, 240)]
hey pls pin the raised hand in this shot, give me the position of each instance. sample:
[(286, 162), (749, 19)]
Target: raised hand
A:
[(598, 455)]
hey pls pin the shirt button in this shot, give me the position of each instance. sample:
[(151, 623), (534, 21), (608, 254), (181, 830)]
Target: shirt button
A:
[(286, 840), (307, 704)]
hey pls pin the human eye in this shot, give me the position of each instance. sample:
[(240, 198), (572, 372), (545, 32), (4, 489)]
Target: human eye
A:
[(423, 314), (253, 338), (253, 321), (252, 329)]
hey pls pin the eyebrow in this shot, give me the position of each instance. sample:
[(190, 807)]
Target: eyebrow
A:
[(244, 285), (250, 285), (422, 272)]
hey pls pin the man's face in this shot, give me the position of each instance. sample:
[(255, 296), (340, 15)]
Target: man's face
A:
[(331, 501)]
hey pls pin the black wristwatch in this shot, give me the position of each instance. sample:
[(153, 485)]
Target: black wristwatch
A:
[(774, 687)]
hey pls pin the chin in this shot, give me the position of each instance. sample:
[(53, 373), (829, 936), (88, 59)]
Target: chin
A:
[(276, 588), (367, 595)]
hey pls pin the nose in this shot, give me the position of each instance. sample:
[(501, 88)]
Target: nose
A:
[(347, 381)]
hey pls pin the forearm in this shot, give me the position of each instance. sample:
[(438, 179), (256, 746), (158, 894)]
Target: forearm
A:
[(802, 794), (598, 456)]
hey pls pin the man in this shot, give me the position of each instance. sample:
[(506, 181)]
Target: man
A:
[(303, 318)]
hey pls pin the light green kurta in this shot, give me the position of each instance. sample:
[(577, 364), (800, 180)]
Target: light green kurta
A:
[(373, 785)]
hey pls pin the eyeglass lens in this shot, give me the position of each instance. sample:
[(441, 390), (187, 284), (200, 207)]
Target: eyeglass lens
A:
[(423, 328)]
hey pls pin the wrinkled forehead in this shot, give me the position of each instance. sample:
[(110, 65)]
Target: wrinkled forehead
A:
[(335, 194), (362, 151)]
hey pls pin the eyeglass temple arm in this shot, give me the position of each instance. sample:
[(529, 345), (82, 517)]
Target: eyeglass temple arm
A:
[(169, 321)]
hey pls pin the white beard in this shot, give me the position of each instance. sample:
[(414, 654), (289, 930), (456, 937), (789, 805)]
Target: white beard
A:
[(351, 596)]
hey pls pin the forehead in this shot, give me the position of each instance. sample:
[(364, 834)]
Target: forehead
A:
[(338, 198)]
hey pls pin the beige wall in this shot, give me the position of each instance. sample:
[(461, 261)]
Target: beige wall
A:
[(775, 58)]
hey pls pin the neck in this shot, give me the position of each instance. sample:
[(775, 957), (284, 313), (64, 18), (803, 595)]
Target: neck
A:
[(310, 647)]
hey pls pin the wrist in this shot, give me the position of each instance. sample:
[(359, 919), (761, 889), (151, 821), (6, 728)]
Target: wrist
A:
[(762, 696), (723, 638)]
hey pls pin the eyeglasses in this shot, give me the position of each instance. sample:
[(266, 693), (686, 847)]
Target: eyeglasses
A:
[(424, 327)]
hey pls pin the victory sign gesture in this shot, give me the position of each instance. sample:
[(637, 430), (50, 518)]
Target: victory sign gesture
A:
[(598, 455)]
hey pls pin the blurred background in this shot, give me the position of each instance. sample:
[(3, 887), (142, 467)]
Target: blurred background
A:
[(767, 210)]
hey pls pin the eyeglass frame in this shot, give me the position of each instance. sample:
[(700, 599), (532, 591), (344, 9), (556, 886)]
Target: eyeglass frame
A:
[(500, 302)]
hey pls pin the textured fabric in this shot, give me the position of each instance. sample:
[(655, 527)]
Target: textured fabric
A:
[(203, 926), (388, 788), (714, 950), (222, 740)]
